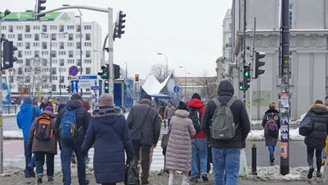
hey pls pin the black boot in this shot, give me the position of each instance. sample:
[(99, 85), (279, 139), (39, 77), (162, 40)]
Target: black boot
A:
[(272, 159), (310, 173)]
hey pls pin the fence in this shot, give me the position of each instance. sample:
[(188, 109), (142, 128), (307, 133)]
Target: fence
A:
[(11, 109)]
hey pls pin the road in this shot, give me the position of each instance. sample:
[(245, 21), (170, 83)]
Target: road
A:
[(14, 154)]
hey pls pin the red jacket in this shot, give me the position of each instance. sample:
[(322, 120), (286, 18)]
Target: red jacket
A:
[(198, 104)]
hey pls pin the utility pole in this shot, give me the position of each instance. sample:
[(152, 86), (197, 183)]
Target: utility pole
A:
[(244, 53), (284, 96), (1, 103), (110, 52), (253, 62)]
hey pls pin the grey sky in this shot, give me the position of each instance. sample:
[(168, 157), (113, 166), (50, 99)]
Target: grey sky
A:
[(189, 32)]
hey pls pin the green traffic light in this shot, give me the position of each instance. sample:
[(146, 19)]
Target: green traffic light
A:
[(105, 74), (241, 87), (106, 87), (246, 73)]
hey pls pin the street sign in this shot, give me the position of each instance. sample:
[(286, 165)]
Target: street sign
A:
[(73, 70), (176, 89), (86, 81), (95, 87), (74, 86)]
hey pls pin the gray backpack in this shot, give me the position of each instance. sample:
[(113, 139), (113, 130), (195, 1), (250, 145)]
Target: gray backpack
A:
[(223, 125)]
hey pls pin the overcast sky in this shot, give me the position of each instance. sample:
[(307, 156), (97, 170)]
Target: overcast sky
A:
[(189, 32)]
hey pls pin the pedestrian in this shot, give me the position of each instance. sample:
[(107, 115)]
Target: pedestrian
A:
[(168, 113), (44, 143), (72, 123), (226, 121), (145, 129), (315, 140), (271, 125), (25, 119), (109, 133), (198, 141), (178, 152), (45, 102)]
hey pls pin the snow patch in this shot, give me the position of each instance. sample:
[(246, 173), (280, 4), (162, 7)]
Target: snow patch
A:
[(258, 135), (273, 173), (298, 121), (13, 134)]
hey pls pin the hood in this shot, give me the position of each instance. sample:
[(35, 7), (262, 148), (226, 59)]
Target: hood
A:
[(73, 104), (181, 113), (146, 101), (318, 109), (196, 103), (49, 113), (225, 88), (25, 107), (103, 114), (271, 111), (85, 105)]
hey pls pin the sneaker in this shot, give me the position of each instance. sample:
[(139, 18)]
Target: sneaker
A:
[(31, 171), (272, 158), (143, 182), (73, 160), (194, 179), (50, 179), (39, 181), (310, 173), (86, 182), (204, 177), (319, 175)]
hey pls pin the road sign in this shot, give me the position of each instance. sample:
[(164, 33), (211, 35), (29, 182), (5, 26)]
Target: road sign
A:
[(86, 81), (95, 87), (73, 70), (74, 86), (176, 89)]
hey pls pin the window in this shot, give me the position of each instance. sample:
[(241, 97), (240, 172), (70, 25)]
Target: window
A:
[(11, 36), (88, 70), (53, 27), (61, 28), (77, 35), (87, 27), (27, 78), (20, 37), (70, 36), (20, 54), (291, 16), (87, 44), (70, 27), (37, 53), (36, 37), (27, 53), (36, 27), (3, 27), (27, 62), (54, 61), (20, 61), (54, 77), (44, 53), (62, 79), (70, 61), (53, 36), (70, 44), (53, 53), (54, 44), (61, 45), (88, 54), (61, 36), (27, 28), (78, 63), (88, 36), (78, 45), (87, 61), (78, 28), (54, 87), (44, 45), (44, 36), (54, 70), (28, 36), (27, 45), (36, 44), (19, 44), (11, 28), (19, 27), (61, 53), (71, 54), (44, 28), (61, 62), (20, 71)]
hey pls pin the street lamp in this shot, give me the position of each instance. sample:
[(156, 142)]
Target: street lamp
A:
[(81, 52), (166, 67), (50, 50), (185, 80)]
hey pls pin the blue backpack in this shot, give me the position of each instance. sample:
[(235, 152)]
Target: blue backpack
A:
[(68, 125)]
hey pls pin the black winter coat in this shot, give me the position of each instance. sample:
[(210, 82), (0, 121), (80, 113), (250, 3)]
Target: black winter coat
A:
[(225, 92), (82, 119), (271, 137), (319, 115)]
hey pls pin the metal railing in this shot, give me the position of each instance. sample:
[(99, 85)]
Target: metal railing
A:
[(11, 109)]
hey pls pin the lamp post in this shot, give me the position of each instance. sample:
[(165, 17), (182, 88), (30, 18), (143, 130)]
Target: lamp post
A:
[(166, 67), (185, 80), (50, 54)]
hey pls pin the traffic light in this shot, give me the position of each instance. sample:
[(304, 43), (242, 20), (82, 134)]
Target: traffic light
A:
[(259, 64), (40, 8), (119, 26), (106, 86), (104, 73), (8, 54), (68, 88), (117, 70), (247, 78)]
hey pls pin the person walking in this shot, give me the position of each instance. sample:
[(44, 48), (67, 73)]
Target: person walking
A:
[(227, 124), (25, 118), (168, 113), (315, 140), (43, 140), (178, 152), (45, 102), (198, 141), (110, 135), (271, 125), (145, 129), (72, 123)]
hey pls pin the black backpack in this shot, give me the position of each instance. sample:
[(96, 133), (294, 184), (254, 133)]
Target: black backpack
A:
[(195, 116)]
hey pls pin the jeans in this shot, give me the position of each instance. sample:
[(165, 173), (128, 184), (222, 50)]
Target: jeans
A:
[(68, 146), (310, 155), (199, 150), (145, 159), (39, 163), (271, 149), (29, 160), (226, 163)]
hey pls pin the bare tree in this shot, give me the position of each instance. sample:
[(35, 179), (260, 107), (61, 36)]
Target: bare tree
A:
[(209, 85), (160, 72)]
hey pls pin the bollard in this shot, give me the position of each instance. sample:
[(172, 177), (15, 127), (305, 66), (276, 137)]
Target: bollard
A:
[(254, 160)]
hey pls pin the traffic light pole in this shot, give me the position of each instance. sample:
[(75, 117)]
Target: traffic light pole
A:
[(110, 52), (284, 96), (1, 103), (244, 57)]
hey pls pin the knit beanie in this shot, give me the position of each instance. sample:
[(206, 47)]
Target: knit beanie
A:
[(196, 96)]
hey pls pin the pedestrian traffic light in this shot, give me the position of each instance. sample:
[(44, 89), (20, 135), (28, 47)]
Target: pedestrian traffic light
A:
[(247, 78), (40, 8), (68, 88), (8, 54), (241, 86), (117, 70), (258, 64), (104, 73), (106, 86), (120, 24)]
